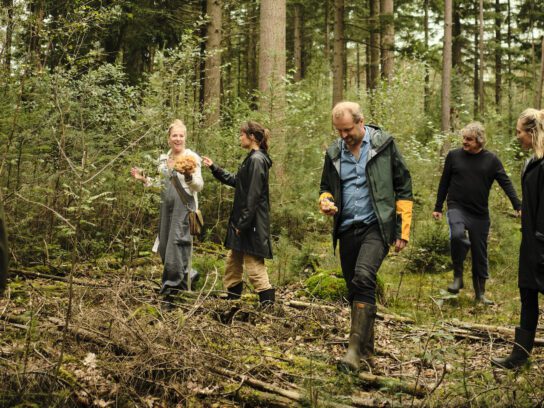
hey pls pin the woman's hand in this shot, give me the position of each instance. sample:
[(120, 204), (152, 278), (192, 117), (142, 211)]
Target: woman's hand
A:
[(207, 161), (137, 174)]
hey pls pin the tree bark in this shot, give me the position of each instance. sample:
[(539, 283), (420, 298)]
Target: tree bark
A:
[(8, 6), (387, 38), (37, 10), (446, 67), (272, 55), (538, 96), (251, 57), (427, 88), (297, 40), (212, 81), (481, 56), (374, 6), (498, 56), (338, 55), (476, 79)]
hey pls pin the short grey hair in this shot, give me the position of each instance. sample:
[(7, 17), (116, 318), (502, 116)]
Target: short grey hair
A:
[(477, 130), (353, 108)]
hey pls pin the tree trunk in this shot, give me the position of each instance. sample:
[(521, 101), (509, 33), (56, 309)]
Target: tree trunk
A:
[(8, 6), (37, 10), (251, 58), (388, 38), (481, 52), (457, 37), (427, 88), (476, 80), (297, 46), (498, 56), (327, 32), (374, 6), (358, 69), (212, 82), (338, 55), (202, 60), (538, 96), (509, 67), (446, 67)]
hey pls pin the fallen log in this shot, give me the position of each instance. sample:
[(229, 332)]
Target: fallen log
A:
[(253, 398), (394, 384), (297, 304), (484, 328), (87, 335), (271, 388), (34, 275)]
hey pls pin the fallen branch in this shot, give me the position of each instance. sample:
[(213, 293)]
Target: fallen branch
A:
[(407, 387), (484, 328), (86, 335), (33, 275)]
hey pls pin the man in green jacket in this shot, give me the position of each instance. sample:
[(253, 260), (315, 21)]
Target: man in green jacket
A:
[(367, 188), (3, 252)]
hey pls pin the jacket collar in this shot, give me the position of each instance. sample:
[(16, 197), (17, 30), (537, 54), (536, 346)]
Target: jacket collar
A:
[(378, 140)]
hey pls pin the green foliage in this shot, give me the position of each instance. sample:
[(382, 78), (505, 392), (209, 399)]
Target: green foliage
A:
[(327, 285), (431, 249)]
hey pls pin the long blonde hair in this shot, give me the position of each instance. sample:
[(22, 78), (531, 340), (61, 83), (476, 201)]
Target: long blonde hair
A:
[(532, 121)]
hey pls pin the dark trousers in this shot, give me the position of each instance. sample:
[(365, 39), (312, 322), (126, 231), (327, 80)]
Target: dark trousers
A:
[(529, 309), (362, 251), (478, 230)]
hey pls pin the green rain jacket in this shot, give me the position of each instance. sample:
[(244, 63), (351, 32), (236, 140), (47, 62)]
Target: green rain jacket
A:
[(389, 181)]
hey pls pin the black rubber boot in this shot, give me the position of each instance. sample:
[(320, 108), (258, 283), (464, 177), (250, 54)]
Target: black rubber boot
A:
[(479, 291), (524, 341), (235, 292), (267, 297), (457, 283), (362, 325)]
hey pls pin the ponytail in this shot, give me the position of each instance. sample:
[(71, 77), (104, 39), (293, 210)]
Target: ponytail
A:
[(260, 133)]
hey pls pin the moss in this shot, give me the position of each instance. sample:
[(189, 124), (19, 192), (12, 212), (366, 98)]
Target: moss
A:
[(325, 284)]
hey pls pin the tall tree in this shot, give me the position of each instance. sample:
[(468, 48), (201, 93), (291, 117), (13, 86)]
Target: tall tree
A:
[(446, 67), (8, 7), (374, 6), (272, 57), (338, 55), (297, 40), (476, 60), (481, 56), (498, 55), (427, 87), (212, 82), (36, 22), (538, 94), (251, 52), (387, 38)]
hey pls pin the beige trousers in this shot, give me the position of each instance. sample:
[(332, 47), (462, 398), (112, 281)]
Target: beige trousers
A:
[(255, 268)]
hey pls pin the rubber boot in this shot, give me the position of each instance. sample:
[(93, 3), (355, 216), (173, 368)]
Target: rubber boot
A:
[(235, 292), (479, 291), (524, 341), (367, 350), (267, 297), (457, 283), (362, 324)]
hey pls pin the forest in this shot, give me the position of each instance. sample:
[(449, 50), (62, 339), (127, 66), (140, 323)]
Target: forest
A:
[(88, 90)]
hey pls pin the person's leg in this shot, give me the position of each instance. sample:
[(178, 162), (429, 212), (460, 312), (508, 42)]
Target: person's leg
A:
[(459, 245), (370, 256), (258, 276), (234, 270), (525, 333), (478, 231), (350, 244)]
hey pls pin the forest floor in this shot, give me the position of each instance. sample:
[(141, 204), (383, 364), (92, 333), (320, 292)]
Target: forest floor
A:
[(125, 347)]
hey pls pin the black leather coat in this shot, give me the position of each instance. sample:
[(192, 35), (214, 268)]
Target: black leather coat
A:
[(531, 256), (251, 208)]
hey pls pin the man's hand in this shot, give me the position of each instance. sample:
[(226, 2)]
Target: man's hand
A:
[(207, 161), (327, 207), (517, 213), (437, 215), (400, 244)]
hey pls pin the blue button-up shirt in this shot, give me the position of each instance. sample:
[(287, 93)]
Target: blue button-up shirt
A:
[(356, 200)]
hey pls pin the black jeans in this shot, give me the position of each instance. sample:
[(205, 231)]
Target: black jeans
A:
[(362, 252), (529, 309), (478, 230)]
